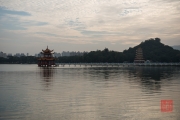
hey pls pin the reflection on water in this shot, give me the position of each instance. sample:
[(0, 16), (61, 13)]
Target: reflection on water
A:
[(151, 77), (147, 77), (47, 74), (154, 73), (88, 93)]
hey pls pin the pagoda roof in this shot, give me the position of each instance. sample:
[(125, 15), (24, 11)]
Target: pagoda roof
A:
[(47, 50)]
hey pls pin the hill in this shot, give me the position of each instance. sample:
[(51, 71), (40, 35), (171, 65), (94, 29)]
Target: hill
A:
[(155, 51)]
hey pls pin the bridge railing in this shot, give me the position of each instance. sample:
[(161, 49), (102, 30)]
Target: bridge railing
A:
[(120, 64)]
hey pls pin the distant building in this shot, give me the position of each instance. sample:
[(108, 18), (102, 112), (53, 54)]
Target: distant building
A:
[(38, 55), (139, 56), (3, 55), (73, 53), (27, 54), (9, 54), (65, 53), (22, 54), (57, 55), (17, 55)]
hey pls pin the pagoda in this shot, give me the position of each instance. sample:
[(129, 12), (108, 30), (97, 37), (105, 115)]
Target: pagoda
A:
[(139, 56), (47, 59)]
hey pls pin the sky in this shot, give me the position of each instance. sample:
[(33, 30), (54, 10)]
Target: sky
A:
[(28, 26)]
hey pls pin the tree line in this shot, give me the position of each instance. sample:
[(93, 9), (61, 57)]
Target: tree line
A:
[(153, 50), (19, 60)]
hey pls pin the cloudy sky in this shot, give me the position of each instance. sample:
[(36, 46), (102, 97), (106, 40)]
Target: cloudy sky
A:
[(27, 26)]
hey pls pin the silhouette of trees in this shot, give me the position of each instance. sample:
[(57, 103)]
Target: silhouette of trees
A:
[(153, 50), (19, 60)]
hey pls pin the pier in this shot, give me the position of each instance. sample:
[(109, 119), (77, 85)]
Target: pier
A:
[(115, 64)]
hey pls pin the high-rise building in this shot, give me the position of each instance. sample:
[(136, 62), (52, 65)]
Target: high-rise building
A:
[(57, 55), (73, 53), (9, 54), (22, 54), (65, 53), (17, 55)]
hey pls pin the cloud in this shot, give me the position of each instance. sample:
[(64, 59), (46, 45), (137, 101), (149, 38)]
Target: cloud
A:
[(13, 20), (48, 34), (4, 11), (15, 23), (87, 21)]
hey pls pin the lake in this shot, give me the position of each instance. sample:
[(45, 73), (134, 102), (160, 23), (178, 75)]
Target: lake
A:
[(28, 92)]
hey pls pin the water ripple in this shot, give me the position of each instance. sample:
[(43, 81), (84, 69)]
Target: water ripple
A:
[(91, 93)]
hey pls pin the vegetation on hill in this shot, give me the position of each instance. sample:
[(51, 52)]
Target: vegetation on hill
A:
[(153, 50), (95, 57)]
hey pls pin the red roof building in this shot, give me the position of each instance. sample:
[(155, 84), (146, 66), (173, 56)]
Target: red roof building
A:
[(47, 59)]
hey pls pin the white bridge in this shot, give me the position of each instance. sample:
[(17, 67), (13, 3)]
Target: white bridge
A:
[(117, 64)]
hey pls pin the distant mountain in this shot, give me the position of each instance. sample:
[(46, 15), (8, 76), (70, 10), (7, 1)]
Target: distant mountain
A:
[(155, 51), (177, 47)]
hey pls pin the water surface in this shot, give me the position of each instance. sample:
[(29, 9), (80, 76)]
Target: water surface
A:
[(88, 93)]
